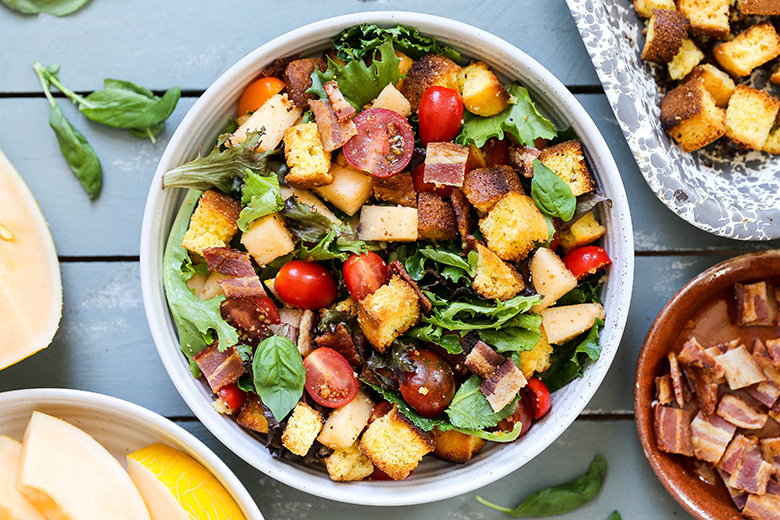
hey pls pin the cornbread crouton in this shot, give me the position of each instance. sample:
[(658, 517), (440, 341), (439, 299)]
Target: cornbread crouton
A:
[(689, 115), (665, 33), (568, 162), (395, 445), (428, 71), (389, 312), (644, 8), (345, 423), (550, 276), (750, 49), (772, 143), (454, 446), (435, 218), (750, 116), (495, 278), (685, 60), (484, 187), (302, 429), (707, 17), (502, 385), (463, 213), (759, 7), (392, 99), (483, 360), (406, 62), (513, 226), (756, 304), (348, 464), (398, 189), (718, 83), (267, 239), (388, 223), (275, 116), (538, 358), (213, 223), (566, 323), (252, 416), (481, 91), (297, 77), (308, 161), (584, 231), (349, 190)]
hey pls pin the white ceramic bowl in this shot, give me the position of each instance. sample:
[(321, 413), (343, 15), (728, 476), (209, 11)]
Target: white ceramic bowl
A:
[(433, 480), (121, 427)]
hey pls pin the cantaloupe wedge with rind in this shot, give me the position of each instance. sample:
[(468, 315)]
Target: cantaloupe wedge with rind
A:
[(30, 286)]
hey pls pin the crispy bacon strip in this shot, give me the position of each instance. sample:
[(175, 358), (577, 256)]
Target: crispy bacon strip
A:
[(765, 507), (251, 316), (773, 347), (765, 392), (753, 472), (770, 450), (445, 164), (677, 382), (738, 497), (764, 359), (734, 452), (664, 391), (483, 360), (693, 354), (220, 367), (711, 436), (340, 340), (740, 414), (740, 367), (773, 488), (502, 386), (306, 332), (521, 158), (756, 304), (397, 268), (705, 388), (464, 214), (333, 132), (344, 111), (242, 280), (672, 430)]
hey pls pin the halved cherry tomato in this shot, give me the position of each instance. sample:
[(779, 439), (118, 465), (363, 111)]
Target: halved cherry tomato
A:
[(585, 261), (306, 285), (523, 414), (420, 185), (378, 474), (441, 115), (364, 274), (257, 93), (539, 397), (251, 316), (429, 389), (495, 152), (381, 409), (383, 145), (329, 379), (233, 396)]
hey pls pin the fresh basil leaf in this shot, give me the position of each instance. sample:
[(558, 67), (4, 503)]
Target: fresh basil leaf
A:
[(562, 498), (81, 158), (355, 42), (521, 119), (245, 383), (55, 7), (551, 194), (410, 413), (471, 410), (279, 375), (500, 436), (615, 516), (121, 104), (261, 196), (569, 361)]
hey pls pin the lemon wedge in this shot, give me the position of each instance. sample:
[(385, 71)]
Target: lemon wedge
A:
[(176, 487)]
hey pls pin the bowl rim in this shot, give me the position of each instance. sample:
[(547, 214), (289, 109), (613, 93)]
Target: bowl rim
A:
[(457, 483), (151, 421)]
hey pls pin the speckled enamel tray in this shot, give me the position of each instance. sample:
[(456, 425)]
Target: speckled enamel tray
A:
[(737, 197)]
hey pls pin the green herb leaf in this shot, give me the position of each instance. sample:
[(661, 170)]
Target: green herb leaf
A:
[(587, 291), (615, 516), (569, 361), (81, 158), (55, 7), (457, 268), (476, 315), (434, 334), (509, 436), (520, 334), (562, 498), (355, 42), (410, 413), (521, 119), (551, 194), (279, 375), (261, 196), (470, 409)]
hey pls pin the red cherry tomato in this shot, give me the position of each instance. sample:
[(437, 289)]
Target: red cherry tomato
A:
[(381, 409), (378, 474), (257, 93), (585, 261), (251, 316), (306, 285), (539, 397), (383, 145), (495, 152), (523, 414), (364, 274), (430, 387), (420, 185), (233, 396), (441, 115), (329, 379)]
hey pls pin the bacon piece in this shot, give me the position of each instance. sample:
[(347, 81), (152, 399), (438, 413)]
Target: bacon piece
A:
[(764, 359), (339, 340), (672, 429), (693, 354), (333, 132), (705, 388), (251, 316), (397, 268), (521, 158), (766, 507), (765, 392), (773, 488), (756, 304), (664, 391), (398, 189), (740, 414), (741, 369), (734, 452), (445, 164), (753, 472), (306, 332), (242, 280), (464, 215), (677, 382), (344, 111), (289, 323), (774, 412), (483, 360), (711, 435), (738, 497), (773, 347), (770, 450), (502, 386), (220, 367)]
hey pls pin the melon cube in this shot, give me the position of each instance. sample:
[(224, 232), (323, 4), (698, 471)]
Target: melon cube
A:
[(562, 324), (551, 277), (349, 190), (388, 223), (267, 239)]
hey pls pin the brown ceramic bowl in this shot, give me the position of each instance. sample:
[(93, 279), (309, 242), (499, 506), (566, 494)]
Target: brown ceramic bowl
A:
[(702, 500)]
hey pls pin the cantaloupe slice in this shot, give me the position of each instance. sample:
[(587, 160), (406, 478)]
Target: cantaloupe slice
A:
[(13, 504), (68, 475), (30, 286)]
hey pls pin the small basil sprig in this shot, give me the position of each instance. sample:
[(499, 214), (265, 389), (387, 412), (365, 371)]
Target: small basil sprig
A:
[(279, 375), (81, 158), (55, 7), (551, 194), (615, 516), (562, 498)]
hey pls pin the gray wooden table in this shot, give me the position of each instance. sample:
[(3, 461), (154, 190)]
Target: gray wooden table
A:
[(104, 344)]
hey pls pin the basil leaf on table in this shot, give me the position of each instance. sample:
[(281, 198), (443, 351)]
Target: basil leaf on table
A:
[(279, 375), (562, 498), (551, 194), (261, 196), (615, 516), (55, 7)]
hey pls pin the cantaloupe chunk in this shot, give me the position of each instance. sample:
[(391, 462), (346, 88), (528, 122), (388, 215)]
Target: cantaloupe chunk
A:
[(267, 239), (344, 424), (349, 190), (565, 323), (388, 223), (550, 277), (68, 475), (275, 116), (13, 504), (30, 286), (392, 99)]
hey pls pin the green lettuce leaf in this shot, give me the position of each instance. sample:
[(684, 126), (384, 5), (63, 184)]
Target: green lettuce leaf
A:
[(471, 410), (476, 314), (519, 334), (260, 196), (434, 334), (587, 291), (569, 361), (355, 42)]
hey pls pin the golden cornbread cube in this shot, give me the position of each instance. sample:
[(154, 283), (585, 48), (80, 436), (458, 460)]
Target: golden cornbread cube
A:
[(707, 17), (513, 226), (665, 33), (482, 92), (484, 187), (302, 429), (267, 239), (308, 161), (690, 117), (759, 7), (430, 70), (685, 60), (213, 223), (538, 358), (435, 218), (389, 312), (348, 464), (772, 143), (406, 62), (566, 323), (750, 116), (584, 231), (750, 49), (495, 278), (568, 162), (454, 446), (395, 445), (349, 190), (644, 8), (252, 416), (718, 83)]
